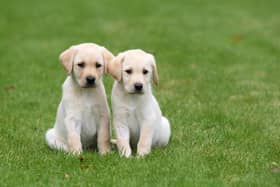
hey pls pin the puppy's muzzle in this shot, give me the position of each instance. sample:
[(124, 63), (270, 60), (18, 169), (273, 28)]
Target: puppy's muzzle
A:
[(90, 80), (138, 87)]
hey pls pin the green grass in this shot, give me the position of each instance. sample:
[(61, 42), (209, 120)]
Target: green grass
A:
[(218, 64)]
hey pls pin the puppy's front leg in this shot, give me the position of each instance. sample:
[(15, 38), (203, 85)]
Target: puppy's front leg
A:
[(122, 133), (145, 141), (73, 128), (103, 136)]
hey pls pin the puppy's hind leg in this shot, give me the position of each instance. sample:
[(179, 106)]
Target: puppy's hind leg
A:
[(165, 132), (54, 142)]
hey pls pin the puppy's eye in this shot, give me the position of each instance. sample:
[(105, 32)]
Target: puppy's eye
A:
[(81, 64), (97, 65), (145, 71), (129, 71)]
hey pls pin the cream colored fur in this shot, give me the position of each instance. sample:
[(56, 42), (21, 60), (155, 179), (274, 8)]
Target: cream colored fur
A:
[(137, 118), (82, 119)]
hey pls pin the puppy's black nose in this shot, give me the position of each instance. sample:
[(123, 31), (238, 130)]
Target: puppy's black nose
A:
[(90, 80), (138, 86)]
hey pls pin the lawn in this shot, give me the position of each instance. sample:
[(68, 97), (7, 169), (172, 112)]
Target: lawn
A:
[(218, 63)]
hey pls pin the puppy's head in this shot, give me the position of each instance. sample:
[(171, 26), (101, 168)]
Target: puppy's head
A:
[(86, 63), (135, 69)]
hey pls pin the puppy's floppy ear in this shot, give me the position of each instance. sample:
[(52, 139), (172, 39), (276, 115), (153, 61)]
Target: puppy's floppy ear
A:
[(155, 72), (107, 57), (66, 58), (115, 67)]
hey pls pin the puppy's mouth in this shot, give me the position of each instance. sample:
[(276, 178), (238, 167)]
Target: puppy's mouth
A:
[(89, 86), (137, 92)]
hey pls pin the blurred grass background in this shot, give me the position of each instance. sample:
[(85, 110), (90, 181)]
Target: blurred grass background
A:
[(218, 64)]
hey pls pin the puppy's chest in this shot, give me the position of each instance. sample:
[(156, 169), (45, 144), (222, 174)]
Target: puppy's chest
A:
[(89, 112), (134, 117), (89, 118)]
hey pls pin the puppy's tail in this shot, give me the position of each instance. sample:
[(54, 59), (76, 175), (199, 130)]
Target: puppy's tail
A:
[(54, 142)]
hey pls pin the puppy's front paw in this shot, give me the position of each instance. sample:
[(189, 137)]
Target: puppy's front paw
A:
[(104, 149), (124, 149), (76, 152), (143, 150), (75, 147)]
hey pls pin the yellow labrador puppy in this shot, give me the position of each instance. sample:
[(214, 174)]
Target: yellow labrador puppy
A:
[(137, 116), (82, 119)]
